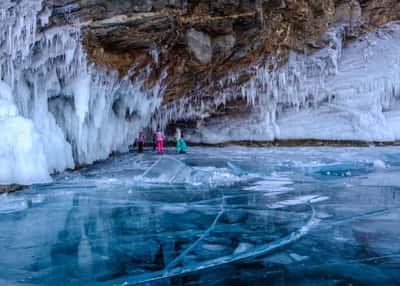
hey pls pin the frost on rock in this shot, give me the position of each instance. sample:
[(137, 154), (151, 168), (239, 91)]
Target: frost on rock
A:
[(66, 109)]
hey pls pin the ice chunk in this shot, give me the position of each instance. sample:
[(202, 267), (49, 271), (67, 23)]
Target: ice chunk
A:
[(379, 164), (294, 202), (279, 258), (170, 170), (174, 209), (297, 257), (319, 199), (235, 169), (272, 185), (242, 247), (213, 247)]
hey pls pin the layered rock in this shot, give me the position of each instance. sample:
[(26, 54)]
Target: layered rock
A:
[(197, 42), (209, 39), (202, 45)]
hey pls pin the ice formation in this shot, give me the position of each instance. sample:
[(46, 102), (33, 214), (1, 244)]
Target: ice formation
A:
[(57, 109), (172, 171), (22, 155), (342, 92)]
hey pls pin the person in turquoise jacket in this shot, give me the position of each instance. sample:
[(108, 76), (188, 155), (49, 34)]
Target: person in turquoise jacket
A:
[(181, 147)]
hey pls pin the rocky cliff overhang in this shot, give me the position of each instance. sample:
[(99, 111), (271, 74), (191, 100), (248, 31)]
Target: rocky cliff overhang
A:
[(207, 47), (200, 42)]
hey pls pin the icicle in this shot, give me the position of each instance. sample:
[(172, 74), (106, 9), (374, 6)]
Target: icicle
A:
[(78, 111)]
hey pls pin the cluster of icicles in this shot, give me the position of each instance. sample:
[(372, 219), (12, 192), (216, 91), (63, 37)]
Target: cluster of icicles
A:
[(57, 109), (273, 86), (342, 78)]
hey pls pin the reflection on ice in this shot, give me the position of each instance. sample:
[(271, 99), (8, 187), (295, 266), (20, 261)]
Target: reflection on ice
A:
[(216, 216), (10, 204)]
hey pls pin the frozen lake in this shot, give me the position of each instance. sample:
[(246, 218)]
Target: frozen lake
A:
[(249, 216)]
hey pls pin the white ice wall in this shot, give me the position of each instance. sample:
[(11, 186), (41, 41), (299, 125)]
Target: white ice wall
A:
[(342, 92), (22, 157)]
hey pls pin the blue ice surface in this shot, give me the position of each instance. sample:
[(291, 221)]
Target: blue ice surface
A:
[(217, 216)]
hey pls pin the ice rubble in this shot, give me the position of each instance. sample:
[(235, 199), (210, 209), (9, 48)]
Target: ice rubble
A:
[(56, 107), (342, 92)]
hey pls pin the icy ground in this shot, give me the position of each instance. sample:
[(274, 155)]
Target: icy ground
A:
[(249, 216)]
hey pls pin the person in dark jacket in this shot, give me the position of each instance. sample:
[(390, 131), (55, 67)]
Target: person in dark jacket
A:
[(154, 141), (141, 141)]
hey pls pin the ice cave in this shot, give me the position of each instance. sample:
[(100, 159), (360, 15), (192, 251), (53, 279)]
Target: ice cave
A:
[(208, 142)]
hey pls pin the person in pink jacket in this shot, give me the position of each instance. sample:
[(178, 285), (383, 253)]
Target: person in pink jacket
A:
[(160, 142)]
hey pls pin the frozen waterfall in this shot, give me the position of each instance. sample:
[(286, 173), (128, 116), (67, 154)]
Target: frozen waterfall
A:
[(55, 107)]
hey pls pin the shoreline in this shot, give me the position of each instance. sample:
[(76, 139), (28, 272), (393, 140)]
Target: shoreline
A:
[(299, 143), (11, 188), (254, 144)]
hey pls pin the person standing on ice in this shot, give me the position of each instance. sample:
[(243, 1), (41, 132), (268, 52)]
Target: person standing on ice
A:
[(154, 141), (181, 147), (160, 142), (141, 140)]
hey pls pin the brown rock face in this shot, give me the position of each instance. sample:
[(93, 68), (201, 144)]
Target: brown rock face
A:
[(199, 42), (10, 188)]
